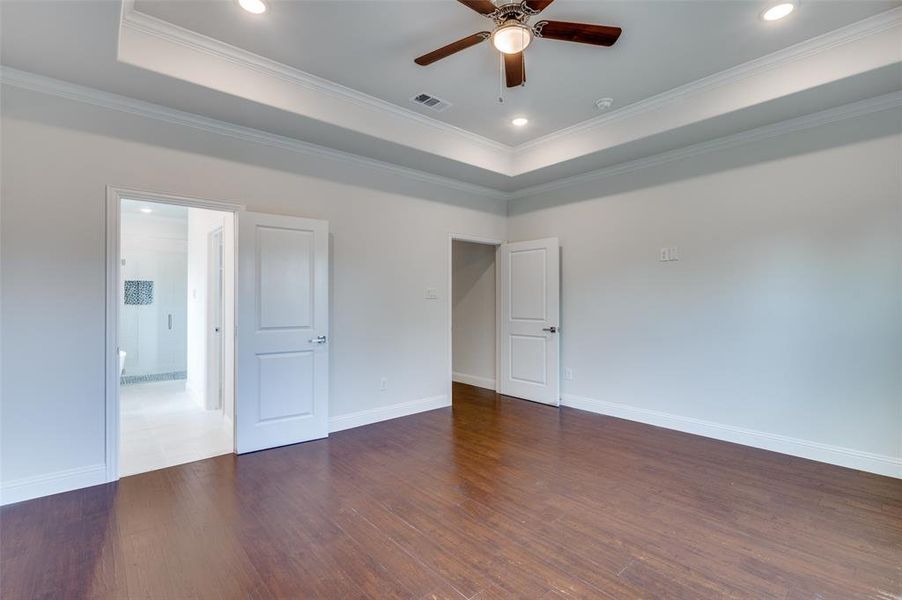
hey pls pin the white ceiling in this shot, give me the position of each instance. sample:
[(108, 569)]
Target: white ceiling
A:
[(369, 46), (339, 74)]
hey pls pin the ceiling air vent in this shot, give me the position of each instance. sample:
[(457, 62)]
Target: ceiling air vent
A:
[(436, 104)]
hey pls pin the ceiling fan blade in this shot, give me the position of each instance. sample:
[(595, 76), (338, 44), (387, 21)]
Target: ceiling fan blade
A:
[(483, 7), (445, 51), (536, 6), (514, 69), (599, 35)]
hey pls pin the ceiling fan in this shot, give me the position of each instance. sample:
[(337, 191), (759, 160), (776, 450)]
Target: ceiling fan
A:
[(513, 33)]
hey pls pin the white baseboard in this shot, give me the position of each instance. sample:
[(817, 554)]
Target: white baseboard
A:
[(836, 455), (51, 483), (483, 382), (384, 413), (73, 479)]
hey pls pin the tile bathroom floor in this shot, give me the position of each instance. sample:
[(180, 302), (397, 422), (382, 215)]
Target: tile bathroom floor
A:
[(162, 424)]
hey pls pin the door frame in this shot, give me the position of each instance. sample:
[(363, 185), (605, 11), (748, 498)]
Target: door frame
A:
[(113, 217), (486, 241)]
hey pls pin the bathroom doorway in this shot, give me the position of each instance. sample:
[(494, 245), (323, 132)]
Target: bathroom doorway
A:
[(176, 363)]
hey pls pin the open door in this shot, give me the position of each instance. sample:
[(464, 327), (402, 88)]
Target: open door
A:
[(529, 275), (283, 322)]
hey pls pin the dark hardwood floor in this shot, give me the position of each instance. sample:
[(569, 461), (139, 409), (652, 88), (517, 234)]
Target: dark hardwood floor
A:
[(495, 498)]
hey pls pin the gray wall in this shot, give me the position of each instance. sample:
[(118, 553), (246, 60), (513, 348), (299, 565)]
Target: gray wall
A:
[(473, 316), (783, 315), (782, 318), (389, 242)]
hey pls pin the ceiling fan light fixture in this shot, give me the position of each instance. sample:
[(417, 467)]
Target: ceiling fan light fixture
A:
[(512, 34), (778, 11), (511, 38), (255, 7)]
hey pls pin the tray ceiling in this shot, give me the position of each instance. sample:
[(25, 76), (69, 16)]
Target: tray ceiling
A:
[(369, 46), (337, 75)]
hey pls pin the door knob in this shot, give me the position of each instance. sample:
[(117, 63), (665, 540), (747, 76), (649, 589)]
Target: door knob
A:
[(320, 339), (551, 329)]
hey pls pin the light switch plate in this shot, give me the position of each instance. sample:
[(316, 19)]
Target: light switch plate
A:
[(669, 254), (431, 294)]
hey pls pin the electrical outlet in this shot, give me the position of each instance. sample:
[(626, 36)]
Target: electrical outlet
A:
[(568, 374), (431, 294), (383, 384)]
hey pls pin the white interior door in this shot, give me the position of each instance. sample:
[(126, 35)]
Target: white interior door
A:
[(282, 365), (530, 318)]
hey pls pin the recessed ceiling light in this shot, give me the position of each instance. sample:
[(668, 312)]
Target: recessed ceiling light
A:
[(778, 11), (253, 6), (519, 121), (146, 210)]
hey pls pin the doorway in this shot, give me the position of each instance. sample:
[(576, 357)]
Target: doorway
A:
[(505, 316), (266, 293), (175, 301), (474, 323)]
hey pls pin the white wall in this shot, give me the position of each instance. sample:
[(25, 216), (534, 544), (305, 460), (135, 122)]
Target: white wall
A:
[(473, 313), (389, 241), (153, 248), (781, 324)]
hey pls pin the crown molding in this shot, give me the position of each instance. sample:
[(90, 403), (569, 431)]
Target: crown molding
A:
[(824, 117), (78, 93), (808, 48), (87, 95), (506, 160), (137, 21)]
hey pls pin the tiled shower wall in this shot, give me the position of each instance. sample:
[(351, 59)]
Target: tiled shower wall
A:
[(153, 328)]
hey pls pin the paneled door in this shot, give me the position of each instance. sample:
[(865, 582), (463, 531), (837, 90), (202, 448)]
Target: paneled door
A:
[(530, 320), (282, 305)]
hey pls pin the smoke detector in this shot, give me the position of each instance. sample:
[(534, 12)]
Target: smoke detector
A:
[(604, 103)]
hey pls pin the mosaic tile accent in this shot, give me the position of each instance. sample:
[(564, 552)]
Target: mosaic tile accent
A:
[(138, 291), (133, 379)]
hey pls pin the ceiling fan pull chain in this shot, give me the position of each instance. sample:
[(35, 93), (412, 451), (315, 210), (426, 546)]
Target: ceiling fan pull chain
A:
[(501, 78)]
